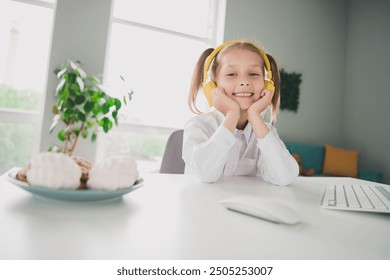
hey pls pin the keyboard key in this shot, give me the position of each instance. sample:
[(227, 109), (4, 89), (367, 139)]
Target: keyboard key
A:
[(384, 192), (351, 197), (378, 204), (340, 196), (364, 201), (383, 195), (329, 198)]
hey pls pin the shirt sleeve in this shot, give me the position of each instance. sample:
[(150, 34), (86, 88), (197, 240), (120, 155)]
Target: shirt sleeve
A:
[(275, 164), (205, 152)]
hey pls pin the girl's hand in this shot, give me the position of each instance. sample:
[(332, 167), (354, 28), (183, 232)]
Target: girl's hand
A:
[(259, 127), (261, 105), (226, 106), (223, 103)]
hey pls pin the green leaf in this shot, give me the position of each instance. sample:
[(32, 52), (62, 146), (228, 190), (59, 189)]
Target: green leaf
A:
[(93, 137), (60, 86), (54, 123), (105, 128), (111, 101), (79, 99), (82, 73), (73, 65), (64, 92), (106, 107), (115, 117), (88, 106), (71, 78), (80, 83), (81, 116), (69, 103), (74, 90), (84, 133), (96, 109), (118, 104), (106, 124), (61, 135), (95, 79), (61, 72), (75, 132)]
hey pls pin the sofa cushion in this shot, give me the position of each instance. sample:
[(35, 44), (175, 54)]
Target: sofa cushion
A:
[(370, 175), (312, 156), (340, 162)]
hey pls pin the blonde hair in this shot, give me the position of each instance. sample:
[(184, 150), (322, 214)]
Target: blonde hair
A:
[(197, 76)]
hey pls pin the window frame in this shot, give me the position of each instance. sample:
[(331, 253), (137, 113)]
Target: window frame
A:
[(33, 117)]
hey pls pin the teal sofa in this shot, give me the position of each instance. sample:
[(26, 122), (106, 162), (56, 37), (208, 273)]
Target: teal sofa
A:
[(313, 157)]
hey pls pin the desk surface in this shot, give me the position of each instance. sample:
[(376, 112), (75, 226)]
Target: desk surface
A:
[(178, 217)]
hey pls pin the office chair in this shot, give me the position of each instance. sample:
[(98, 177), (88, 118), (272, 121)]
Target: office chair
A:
[(172, 161)]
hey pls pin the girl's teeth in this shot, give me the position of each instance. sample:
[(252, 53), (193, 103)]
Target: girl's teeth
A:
[(243, 94)]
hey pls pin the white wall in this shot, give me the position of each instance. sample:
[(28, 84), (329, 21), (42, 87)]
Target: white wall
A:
[(79, 35), (366, 116), (307, 37)]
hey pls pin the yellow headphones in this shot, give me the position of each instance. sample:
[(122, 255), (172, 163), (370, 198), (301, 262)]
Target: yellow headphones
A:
[(209, 86)]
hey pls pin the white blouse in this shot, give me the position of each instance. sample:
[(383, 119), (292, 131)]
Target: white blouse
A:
[(210, 150)]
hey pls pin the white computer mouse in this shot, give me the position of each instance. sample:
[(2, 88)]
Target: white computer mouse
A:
[(262, 208)]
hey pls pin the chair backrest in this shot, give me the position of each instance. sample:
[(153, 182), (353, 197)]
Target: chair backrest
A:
[(172, 161)]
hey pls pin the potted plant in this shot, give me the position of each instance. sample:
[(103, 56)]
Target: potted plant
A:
[(82, 106)]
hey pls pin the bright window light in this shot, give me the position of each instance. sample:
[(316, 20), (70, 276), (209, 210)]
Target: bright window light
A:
[(25, 34), (154, 46)]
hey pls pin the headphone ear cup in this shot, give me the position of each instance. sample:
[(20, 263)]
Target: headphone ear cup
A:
[(207, 89), (269, 85)]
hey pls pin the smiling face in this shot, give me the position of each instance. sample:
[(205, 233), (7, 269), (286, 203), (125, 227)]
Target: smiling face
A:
[(240, 74)]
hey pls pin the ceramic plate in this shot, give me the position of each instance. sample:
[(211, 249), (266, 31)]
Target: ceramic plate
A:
[(72, 195)]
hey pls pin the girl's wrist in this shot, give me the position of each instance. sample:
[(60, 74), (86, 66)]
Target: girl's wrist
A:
[(231, 120), (253, 115)]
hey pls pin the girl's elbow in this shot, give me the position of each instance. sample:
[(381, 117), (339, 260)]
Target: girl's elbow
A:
[(282, 178), (288, 177), (207, 176), (286, 181)]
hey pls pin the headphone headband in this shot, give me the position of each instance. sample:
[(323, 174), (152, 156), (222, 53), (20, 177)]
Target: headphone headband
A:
[(214, 53)]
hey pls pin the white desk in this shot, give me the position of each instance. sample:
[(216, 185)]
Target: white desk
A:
[(178, 217)]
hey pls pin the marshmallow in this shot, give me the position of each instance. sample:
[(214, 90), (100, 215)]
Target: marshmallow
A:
[(54, 170), (113, 173)]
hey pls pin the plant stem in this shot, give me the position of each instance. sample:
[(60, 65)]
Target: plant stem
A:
[(76, 140), (65, 150)]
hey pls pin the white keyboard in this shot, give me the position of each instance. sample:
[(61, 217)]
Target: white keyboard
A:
[(369, 198)]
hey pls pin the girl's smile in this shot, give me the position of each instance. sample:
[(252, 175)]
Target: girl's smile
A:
[(243, 94)]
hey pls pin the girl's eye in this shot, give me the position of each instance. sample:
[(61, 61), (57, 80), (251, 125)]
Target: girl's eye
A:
[(254, 74), (231, 74)]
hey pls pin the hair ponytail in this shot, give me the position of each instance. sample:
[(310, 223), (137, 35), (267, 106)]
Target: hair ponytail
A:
[(275, 102), (197, 80)]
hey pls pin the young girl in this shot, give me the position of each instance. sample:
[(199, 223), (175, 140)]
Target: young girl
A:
[(232, 138)]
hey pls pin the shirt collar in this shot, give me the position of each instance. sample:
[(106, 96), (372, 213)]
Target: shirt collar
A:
[(247, 132)]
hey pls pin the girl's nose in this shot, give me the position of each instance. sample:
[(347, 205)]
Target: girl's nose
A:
[(244, 84)]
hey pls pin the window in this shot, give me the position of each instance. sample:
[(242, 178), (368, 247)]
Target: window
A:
[(25, 34), (154, 45)]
